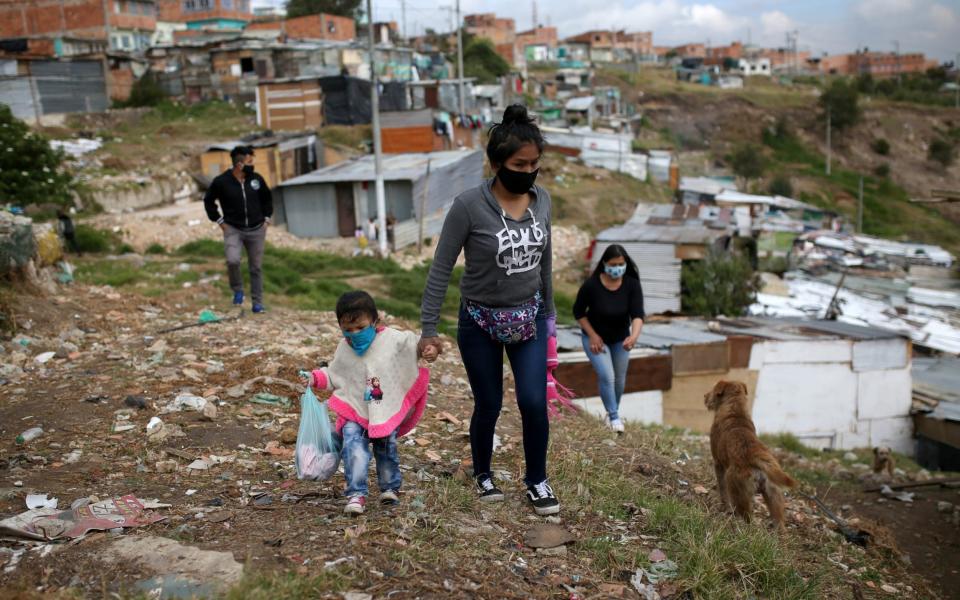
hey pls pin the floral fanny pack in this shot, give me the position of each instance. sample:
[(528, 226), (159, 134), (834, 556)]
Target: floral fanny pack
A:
[(507, 325)]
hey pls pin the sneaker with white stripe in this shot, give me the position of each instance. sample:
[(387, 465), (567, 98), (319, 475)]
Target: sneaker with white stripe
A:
[(543, 499)]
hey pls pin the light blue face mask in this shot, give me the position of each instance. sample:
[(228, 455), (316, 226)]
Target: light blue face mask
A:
[(360, 340), (615, 271)]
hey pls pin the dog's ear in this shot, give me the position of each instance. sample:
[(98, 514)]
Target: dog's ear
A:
[(713, 398), (876, 450)]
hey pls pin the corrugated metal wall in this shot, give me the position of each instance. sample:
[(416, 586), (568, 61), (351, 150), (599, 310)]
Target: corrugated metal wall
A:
[(399, 196), (659, 273), (70, 86), (311, 210), (15, 91)]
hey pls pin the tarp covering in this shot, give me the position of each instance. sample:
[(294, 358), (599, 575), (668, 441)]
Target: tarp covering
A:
[(347, 99)]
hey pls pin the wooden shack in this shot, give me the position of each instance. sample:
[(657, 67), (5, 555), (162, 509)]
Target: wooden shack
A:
[(290, 104)]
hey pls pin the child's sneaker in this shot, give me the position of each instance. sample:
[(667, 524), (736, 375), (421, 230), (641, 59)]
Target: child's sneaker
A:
[(542, 498), (389, 498), (487, 490), (355, 505), (237, 298)]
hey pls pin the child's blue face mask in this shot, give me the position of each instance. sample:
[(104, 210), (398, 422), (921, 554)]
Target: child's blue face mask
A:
[(360, 340)]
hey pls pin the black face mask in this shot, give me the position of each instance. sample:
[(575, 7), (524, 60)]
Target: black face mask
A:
[(248, 169), (517, 182)]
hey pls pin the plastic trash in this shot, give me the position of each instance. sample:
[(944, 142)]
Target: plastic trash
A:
[(29, 435), (44, 357), (318, 447), (154, 425), (208, 316), (270, 399), (40, 501)]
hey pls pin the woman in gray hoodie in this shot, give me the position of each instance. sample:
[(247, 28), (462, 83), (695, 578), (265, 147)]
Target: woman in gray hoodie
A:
[(503, 227)]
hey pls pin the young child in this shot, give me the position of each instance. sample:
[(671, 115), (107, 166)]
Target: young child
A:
[(379, 393)]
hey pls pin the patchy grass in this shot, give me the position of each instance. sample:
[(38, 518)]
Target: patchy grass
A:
[(281, 586), (115, 273), (170, 126), (345, 135), (96, 241), (887, 210)]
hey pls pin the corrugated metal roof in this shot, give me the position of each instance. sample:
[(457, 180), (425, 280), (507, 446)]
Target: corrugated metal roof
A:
[(794, 328), (704, 185), (582, 103), (940, 378), (396, 167), (666, 335), (263, 142), (661, 234)]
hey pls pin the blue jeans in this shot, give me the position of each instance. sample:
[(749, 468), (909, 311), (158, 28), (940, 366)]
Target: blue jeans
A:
[(611, 367), (356, 460), (483, 360)]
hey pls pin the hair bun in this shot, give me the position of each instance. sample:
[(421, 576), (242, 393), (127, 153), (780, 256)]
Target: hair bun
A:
[(516, 113)]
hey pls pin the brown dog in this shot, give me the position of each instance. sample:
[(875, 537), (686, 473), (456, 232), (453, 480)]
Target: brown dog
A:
[(883, 460), (743, 464)]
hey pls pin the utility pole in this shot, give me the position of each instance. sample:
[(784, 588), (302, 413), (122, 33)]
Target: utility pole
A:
[(828, 137), (403, 19), (956, 69), (860, 207), (463, 107), (377, 149)]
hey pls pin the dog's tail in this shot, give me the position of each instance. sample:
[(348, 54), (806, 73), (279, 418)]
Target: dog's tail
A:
[(771, 468)]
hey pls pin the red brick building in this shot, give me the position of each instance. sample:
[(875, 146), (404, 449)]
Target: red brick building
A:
[(207, 14), (126, 24), (718, 53), (537, 45), (311, 27), (501, 32), (876, 64), (691, 51)]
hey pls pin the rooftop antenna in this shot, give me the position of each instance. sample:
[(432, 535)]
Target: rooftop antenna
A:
[(534, 3)]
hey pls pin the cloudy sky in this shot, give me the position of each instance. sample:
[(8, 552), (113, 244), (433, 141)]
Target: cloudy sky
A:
[(930, 26)]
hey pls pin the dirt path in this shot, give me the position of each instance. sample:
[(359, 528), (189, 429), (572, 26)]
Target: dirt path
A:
[(924, 534)]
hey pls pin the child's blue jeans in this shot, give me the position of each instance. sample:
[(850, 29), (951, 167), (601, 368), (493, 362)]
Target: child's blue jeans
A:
[(356, 460)]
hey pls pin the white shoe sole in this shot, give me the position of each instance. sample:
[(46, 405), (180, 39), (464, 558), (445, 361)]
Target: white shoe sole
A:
[(492, 498), (546, 511)]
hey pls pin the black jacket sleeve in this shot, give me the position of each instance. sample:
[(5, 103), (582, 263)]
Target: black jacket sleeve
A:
[(636, 302), (210, 201), (266, 199), (582, 302)]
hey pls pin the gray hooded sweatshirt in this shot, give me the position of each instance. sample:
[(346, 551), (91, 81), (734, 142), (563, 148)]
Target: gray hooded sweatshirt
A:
[(508, 261)]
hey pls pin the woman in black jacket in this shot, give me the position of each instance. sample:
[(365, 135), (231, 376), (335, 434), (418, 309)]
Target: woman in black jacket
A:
[(609, 309)]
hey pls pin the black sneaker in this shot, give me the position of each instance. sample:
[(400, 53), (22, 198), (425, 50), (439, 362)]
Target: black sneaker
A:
[(487, 490), (542, 498)]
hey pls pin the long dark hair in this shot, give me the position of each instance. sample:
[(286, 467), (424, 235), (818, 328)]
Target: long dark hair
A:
[(616, 251), (515, 130)]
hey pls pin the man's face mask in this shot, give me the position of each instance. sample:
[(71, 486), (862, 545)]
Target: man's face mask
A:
[(360, 340), (248, 169)]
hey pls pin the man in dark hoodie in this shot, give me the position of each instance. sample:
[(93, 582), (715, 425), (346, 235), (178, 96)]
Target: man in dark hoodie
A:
[(247, 206)]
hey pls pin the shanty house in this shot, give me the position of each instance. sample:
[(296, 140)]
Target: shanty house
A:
[(332, 201), (830, 384), (658, 238), (581, 110)]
